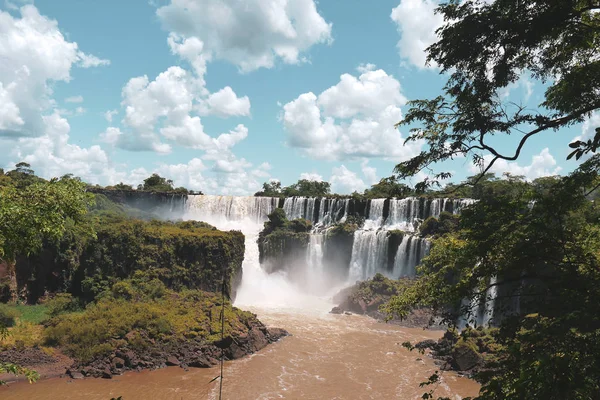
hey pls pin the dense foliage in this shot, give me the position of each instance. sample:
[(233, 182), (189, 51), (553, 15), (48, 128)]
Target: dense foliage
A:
[(34, 210), (554, 41), (136, 312), (282, 242), (539, 248), (303, 187)]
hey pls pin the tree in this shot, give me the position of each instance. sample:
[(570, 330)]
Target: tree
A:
[(308, 188), (38, 212), (388, 187), (485, 47), (540, 251), (270, 189), (22, 176), (156, 183)]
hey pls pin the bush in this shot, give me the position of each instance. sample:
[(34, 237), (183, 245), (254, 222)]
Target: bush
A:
[(8, 315), (300, 225), (62, 303), (114, 321)]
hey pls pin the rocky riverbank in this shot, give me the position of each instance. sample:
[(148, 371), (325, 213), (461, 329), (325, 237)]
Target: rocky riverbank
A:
[(139, 352), (367, 298)]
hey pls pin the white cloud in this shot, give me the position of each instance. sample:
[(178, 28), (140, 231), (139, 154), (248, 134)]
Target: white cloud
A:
[(51, 155), (250, 35), (225, 103), (588, 129), (90, 61), (370, 173), (74, 99), (417, 23), (311, 176), (353, 119), (238, 179), (109, 115), (344, 181), (33, 54), (543, 164)]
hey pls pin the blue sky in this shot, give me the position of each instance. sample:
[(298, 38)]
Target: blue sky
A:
[(221, 96)]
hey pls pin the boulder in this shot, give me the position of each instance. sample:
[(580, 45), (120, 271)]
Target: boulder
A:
[(336, 310), (466, 356), (75, 374), (173, 361), (118, 362)]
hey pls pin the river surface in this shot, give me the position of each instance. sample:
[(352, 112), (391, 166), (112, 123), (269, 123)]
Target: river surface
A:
[(327, 357)]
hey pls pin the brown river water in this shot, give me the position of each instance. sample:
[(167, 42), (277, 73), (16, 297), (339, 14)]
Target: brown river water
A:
[(327, 357)]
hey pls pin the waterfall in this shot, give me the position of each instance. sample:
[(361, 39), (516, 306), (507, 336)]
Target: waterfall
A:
[(220, 209), (330, 210), (314, 261), (403, 213), (490, 302), (373, 250), (409, 254), (375, 218), (369, 253)]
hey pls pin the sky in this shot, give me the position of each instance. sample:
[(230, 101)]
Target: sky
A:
[(221, 96)]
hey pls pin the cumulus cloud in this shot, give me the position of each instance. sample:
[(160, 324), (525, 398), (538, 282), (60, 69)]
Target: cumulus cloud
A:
[(344, 181), (252, 35), (196, 175), (543, 164), (353, 119), (370, 173), (588, 129), (225, 103), (33, 54), (109, 115), (311, 176), (52, 155), (90, 61), (416, 22)]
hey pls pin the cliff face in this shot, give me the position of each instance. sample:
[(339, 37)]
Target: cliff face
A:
[(337, 251), (162, 204), (282, 250), (182, 255)]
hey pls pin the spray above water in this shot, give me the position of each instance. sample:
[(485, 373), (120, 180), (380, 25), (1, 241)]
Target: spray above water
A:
[(258, 288), (307, 282)]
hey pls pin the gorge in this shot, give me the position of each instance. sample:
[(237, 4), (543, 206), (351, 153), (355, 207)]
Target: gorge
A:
[(357, 239)]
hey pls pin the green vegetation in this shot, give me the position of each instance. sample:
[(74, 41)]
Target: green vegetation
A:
[(282, 242), (445, 223), (156, 183), (137, 312), (542, 247), (99, 272), (303, 187), (555, 41), (8, 315), (538, 244)]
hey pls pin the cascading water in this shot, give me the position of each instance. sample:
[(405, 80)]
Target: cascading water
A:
[(371, 243), (410, 252), (314, 262), (372, 250), (375, 218), (369, 253), (248, 214)]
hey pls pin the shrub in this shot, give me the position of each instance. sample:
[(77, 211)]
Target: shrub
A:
[(115, 321), (8, 315), (62, 303)]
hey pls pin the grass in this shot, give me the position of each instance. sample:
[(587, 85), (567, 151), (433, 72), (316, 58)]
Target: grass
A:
[(35, 314)]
